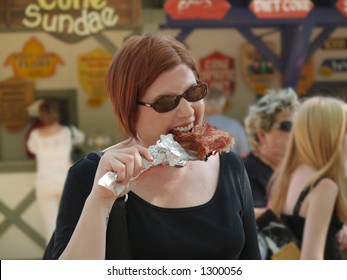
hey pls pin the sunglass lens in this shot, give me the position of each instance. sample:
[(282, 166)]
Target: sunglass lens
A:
[(286, 126), (169, 102), (196, 93), (165, 104)]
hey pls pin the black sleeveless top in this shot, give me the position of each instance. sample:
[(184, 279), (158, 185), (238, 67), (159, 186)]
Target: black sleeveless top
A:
[(297, 223), (222, 228)]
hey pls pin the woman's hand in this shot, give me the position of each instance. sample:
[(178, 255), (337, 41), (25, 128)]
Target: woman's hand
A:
[(125, 159)]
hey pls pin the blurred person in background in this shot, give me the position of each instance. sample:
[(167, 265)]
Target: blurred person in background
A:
[(34, 122), (51, 144), (214, 105), (308, 191), (268, 124)]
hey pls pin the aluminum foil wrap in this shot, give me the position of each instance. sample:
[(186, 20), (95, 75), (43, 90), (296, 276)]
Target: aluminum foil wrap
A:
[(166, 151)]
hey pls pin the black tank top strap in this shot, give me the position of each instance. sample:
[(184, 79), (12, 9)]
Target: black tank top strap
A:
[(302, 196)]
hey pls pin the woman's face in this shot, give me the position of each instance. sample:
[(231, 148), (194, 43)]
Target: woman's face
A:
[(151, 124), (275, 140)]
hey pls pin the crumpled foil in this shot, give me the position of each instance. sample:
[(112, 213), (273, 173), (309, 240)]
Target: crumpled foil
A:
[(166, 151)]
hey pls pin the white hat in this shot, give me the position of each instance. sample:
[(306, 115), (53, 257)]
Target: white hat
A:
[(33, 108)]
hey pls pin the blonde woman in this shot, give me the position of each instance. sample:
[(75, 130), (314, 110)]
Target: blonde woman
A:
[(308, 192)]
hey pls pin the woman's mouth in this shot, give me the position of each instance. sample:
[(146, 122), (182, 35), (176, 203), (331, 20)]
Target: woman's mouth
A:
[(188, 127)]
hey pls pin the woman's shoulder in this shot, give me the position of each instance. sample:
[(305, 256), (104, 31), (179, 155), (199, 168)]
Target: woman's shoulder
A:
[(303, 174), (231, 160), (91, 160), (233, 175), (230, 155), (34, 132), (325, 187), (81, 173)]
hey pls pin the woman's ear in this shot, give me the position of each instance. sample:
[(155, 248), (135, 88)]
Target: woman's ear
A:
[(261, 136)]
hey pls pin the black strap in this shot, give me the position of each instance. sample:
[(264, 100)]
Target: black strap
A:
[(117, 235), (302, 197)]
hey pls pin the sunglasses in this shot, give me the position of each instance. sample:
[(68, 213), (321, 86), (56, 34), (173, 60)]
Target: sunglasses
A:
[(166, 103), (285, 126)]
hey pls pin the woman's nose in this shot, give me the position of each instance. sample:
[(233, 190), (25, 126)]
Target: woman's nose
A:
[(185, 108)]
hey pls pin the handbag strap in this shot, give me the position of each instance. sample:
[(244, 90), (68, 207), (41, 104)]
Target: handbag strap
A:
[(117, 235)]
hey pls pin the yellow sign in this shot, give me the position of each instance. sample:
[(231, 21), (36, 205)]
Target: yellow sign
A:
[(92, 68), (335, 44), (33, 62), (15, 96)]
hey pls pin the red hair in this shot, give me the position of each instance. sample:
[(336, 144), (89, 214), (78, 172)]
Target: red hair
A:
[(135, 67)]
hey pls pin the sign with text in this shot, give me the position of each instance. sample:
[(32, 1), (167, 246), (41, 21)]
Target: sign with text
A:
[(335, 44), (92, 68), (333, 66), (218, 70), (197, 9), (70, 20), (15, 96), (257, 71), (33, 62), (341, 5), (268, 9)]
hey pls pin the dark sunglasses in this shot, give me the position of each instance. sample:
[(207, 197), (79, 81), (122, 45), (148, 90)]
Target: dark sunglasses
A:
[(166, 103), (285, 126)]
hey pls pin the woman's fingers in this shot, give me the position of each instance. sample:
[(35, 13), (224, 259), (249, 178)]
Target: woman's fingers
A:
[(126, 162), (124, 159)]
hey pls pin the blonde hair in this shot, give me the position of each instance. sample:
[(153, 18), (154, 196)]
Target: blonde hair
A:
[(318, 133), (262, 115)]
